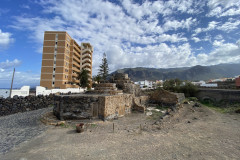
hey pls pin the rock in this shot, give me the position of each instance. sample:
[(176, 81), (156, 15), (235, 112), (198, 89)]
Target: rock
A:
[(186, 102), (60, 123), (15, 97), (237, 111), (149, 113), (197, 104)]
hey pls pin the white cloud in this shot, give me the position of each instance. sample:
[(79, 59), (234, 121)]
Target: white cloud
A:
[(25, 6), (212, 25), (161, 55), (9, 64), (238, 43), (218, 37), (229, 26), (220, 8), (196, 39), (20, 79), (218, 43), (175, 24), (223, 53), (132, 34), (5, 39)]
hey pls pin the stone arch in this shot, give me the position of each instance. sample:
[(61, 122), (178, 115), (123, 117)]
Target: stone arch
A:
[(208, 99)]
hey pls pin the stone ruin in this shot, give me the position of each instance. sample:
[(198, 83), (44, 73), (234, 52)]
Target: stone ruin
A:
[(165, 98), (107, 101)]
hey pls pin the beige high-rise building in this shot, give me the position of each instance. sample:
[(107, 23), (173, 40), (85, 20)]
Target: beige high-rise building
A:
[(62, 59)]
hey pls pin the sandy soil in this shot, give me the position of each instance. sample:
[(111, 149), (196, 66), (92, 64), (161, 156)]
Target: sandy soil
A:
[(192, 133)]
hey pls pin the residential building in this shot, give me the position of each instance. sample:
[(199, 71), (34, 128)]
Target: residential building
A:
[(62, 59), (145, 84), (237, 81)]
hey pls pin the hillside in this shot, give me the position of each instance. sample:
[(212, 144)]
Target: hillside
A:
[(186, 73)]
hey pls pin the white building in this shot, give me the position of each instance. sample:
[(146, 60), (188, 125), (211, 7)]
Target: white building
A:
[(204, 84), (43, 91), (145, 84)]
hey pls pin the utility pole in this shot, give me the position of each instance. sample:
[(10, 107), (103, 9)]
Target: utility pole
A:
[(12, 83)]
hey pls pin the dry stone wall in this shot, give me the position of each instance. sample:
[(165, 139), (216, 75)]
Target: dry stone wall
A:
[(116, 106), (163, 97), (75, 107), (104, 107), (22, 104)]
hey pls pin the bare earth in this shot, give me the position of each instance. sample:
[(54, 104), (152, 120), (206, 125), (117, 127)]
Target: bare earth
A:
[(192, 133)]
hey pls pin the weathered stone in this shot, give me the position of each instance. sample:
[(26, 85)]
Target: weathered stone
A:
[(163, 97)]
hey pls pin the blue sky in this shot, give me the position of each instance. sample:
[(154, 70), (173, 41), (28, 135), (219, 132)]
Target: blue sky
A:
[(159, 34)]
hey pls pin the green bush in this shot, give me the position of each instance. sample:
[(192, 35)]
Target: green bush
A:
[(176, 85)]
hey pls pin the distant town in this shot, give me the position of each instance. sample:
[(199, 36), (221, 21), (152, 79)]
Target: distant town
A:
[(221, 83)]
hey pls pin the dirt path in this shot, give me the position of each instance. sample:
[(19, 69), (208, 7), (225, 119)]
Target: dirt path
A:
[(197, 133)]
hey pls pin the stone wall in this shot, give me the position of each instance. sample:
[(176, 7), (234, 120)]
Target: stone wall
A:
[(140, 103), (217, 95), (115, 106), (75, 107), (163, 97), (180, 97), (22, 104), (104, 107), (124, 83)]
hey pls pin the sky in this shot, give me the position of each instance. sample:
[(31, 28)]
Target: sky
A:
[(154, 34)]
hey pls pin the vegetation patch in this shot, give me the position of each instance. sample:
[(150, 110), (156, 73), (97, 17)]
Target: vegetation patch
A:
[(229, 108)]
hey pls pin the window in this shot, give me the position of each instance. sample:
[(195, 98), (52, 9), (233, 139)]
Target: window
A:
[(54, 62), (67, 44), (52, 82), (53, 76), (56, 42), (65, 82), (54, 69)]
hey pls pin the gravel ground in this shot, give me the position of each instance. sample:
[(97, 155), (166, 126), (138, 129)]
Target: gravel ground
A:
[(20, 127), (191, 133)]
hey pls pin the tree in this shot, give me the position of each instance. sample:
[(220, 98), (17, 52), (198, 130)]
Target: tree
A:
[(83, 77), (97, 78), (176, 85), (103, 71)]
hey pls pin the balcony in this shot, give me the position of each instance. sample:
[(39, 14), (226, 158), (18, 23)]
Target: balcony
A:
[(87, 50), (76, 69), (75, 80), (76, 59), (87, 60), (88, 69), (74, 74), (86, 65), (87, 55), (76, 64)]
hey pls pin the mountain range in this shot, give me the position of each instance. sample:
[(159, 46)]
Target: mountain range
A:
[(194, 73)]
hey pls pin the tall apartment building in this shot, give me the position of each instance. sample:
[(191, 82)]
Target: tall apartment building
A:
[(62, 59)]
